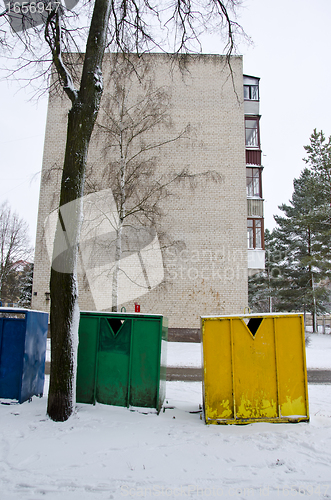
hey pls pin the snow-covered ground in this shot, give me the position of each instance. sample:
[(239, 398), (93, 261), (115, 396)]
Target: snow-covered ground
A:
[(318, 352), (105, 452), (184, 354)]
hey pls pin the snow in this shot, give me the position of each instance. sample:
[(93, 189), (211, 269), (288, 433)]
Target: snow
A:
[(74, 339), (184, 354), (106, 452), (48, 350), (98, 81), (318, 353), (17, 310)]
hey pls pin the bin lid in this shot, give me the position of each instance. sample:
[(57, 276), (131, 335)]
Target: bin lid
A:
[(252, 315), (19, 310), (128, 314)]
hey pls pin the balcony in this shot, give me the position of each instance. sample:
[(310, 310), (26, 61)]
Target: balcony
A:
[(253, 156), (252, 107), (255, 207), (255, 260)]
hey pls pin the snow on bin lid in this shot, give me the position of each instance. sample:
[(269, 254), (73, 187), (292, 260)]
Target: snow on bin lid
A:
[(251, 315)]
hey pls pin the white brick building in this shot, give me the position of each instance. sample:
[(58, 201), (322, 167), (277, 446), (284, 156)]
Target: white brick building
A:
[(205, 272)]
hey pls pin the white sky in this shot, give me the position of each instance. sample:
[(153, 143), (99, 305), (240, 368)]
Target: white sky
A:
[(291, 55)]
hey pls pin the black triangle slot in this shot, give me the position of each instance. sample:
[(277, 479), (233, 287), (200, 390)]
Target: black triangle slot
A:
[(253, 325), (115, 324)]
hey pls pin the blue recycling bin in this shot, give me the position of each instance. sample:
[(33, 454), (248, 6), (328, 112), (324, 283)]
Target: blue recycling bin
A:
[(23, 340)]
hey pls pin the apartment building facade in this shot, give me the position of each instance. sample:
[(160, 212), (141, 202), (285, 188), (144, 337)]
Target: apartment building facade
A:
[(255, 204), (193, 260)]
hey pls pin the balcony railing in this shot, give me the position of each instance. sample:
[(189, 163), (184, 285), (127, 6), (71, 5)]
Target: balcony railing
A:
[(253, 156), (255, 207)]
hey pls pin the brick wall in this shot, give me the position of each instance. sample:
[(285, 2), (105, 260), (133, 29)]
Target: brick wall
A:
[(206, 272)]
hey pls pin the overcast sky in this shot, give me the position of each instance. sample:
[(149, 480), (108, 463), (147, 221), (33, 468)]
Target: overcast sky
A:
[(290, 53)]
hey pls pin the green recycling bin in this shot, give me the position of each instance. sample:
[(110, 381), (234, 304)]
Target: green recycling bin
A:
[(122, 359)]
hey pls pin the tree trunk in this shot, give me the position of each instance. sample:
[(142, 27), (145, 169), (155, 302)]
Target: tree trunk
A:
[(118, 253), (118, 249), (315, 324), (63, 286), (314, 313), (61, 398)]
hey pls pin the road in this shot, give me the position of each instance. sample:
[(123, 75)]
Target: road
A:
[(194, 374)]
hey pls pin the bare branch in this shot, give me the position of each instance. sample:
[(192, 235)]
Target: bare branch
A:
[(53, 36)]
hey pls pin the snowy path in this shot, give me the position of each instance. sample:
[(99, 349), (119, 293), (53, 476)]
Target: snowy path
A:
[(318, 353)]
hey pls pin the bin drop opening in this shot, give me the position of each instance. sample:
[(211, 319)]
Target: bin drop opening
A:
[(115, 324), (253, 324)]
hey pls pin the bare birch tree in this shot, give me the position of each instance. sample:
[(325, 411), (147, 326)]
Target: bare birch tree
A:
[(15, 250), (125, 26), (133, 128), (132, 110)]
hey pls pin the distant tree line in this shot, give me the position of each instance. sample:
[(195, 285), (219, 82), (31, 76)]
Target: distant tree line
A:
[(16, 268), (298, 251)]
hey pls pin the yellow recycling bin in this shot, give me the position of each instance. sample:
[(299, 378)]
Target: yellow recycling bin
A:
[(254, 369)]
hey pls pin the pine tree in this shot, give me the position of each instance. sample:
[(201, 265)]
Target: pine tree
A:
[(303, 238), (319, 160), (298, 251), (26, 280), (262, 287)]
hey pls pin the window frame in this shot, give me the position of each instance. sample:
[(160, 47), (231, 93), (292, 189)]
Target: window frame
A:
[(257, 119), (254, 227), (249, 86), (252, 168)]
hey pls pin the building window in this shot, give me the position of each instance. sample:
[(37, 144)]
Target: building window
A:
[(255, 233), (253, 182), (251, 92), (252, 132)]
